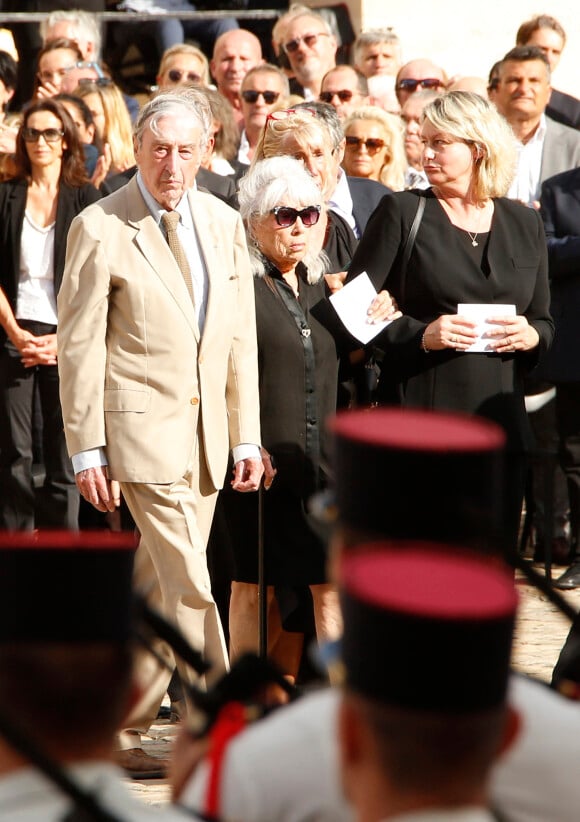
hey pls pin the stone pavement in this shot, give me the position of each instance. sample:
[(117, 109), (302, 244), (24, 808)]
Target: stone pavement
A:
[(540, 634)]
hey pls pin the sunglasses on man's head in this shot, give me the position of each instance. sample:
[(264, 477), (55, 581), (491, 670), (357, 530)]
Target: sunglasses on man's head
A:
[(411, 85), (308, 40), (372, 144), (286, 216), (251, 96), (345, 95), (175, 76), (33, 135)]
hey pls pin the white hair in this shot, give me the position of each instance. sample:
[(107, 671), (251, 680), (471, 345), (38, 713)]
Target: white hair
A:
[(85, 26), (190, 101), (267, 184)]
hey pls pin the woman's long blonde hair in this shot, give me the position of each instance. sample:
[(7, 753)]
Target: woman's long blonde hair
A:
[(118, 130), (392, 174)]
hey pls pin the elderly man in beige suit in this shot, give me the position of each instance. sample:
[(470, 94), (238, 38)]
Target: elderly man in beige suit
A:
[(158, 369)]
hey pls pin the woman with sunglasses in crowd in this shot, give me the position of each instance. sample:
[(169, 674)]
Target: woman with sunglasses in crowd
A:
[(374, 147), (36, 210), (298, 342)]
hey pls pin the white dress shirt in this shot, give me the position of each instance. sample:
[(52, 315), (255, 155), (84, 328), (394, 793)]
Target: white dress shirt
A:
[(526, 184)]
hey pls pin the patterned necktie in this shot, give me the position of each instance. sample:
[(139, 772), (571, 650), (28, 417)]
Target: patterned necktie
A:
[(170, 220)]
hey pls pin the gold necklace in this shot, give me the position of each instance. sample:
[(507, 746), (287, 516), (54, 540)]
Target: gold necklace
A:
[(473, 237)]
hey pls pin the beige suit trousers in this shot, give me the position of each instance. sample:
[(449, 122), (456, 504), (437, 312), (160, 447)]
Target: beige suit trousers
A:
[(171, 572)]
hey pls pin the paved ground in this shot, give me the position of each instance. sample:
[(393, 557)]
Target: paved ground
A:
[(540, 634)]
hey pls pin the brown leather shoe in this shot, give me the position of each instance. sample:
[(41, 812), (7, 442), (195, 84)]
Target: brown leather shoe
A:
[(140, 765)]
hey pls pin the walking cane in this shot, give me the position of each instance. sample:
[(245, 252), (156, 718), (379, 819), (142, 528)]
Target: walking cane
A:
[(262, 587)]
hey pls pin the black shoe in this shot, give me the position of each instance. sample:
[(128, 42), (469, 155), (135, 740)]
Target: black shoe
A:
[(570, 578), (561, 550)]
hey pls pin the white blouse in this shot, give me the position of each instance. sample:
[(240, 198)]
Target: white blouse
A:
[(35, 298)]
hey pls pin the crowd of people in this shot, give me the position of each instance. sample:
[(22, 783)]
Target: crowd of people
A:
[(171, 358)]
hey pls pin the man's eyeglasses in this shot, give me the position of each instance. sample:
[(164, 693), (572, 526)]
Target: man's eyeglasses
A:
[(345, 95), (372, 144), (286, 216), (408, 84), (33, 135), (175, 76), (309, 40), (251, 96)]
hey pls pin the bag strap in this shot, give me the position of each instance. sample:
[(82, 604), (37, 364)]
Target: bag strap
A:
[(409, 243)]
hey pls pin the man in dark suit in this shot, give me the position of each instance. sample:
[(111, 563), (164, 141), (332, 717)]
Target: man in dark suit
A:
[(560, 208), (547, 34)]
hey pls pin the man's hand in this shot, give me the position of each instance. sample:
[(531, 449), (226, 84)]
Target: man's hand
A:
[(247, 474), (96, 487), (269, 470)]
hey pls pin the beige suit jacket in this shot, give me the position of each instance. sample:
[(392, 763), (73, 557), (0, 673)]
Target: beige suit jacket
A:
[(134, 374)]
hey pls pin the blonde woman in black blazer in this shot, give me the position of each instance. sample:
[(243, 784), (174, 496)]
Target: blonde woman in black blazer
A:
[(36, 210), (472, 246)]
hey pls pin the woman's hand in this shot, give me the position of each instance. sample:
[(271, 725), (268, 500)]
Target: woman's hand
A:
[(39, 351), (382, 308), (514, 333), (8, 139), (449, 331), (269, 470), (335, 281), (102, 166)]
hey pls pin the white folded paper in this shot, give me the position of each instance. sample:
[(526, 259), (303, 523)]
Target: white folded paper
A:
[(351, 304), (479, 313)]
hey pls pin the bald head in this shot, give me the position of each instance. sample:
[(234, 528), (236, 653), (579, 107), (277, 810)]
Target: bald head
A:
[(418, 75), (234, 54)]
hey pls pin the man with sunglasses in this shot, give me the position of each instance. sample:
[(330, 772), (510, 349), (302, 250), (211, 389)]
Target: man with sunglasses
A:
[(418, 75), (311, 50), (264, 89), (345, 89)]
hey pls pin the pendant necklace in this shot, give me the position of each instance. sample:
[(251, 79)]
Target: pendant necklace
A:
[(473, 237)]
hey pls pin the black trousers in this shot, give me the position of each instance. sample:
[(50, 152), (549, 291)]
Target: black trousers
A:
[(568, 423), (56, 504)]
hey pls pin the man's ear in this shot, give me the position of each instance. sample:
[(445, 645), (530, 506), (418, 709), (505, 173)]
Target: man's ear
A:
[(339, 151), (512, 729)]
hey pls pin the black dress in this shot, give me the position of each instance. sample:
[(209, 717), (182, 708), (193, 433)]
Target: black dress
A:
[(442, 272), (298, 366)]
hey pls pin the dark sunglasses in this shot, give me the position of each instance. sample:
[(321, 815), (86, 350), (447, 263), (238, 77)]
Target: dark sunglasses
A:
[(309, 40), (33, 135), (175, 76), (286, 216), (344, 95), (251, 96), (372, 144), (411, 85)]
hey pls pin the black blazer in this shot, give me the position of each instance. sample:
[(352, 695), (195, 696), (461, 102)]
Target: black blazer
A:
[(564, 108), (366, 195), (441, 273), (560, 210), (71, 201)]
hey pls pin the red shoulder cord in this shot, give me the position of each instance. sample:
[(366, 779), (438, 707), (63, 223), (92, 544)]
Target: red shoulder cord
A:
[(231, 719)]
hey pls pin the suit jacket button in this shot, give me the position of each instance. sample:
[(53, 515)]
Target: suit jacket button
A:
[(194, 400)]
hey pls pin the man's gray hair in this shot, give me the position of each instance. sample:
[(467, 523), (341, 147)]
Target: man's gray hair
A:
[(372, 37), (86, 26), (327, 115), (189, 101)]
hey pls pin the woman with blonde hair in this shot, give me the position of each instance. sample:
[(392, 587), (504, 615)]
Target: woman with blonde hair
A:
[(299, 133), (474, 251), (374, 147), (112, 122)]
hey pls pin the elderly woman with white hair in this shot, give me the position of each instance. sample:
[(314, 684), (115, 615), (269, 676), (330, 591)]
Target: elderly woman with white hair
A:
[(299, 337)]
